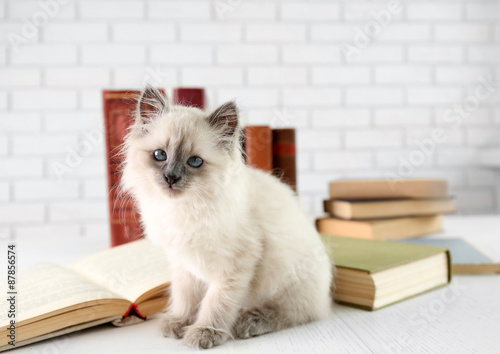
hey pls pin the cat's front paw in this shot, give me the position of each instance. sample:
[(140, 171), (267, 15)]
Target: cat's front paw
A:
[(173, 327), (203, 337), (249, 324)]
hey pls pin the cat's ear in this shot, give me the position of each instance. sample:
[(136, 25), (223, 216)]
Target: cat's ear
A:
[(225, 120), (151, 104)]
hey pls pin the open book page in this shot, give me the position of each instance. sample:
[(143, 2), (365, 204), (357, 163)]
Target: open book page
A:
[(45, 288), (129, 270)]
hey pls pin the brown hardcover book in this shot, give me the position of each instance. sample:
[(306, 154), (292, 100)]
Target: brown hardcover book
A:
[(259, 147), (284, 156), (381, 229), (118, 109), (388, 189), (371, 209)]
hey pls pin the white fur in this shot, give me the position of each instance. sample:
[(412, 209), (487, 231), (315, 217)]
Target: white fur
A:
[(236, 239)]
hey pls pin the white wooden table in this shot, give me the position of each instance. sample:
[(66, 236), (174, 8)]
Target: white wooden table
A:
[(463, 317)]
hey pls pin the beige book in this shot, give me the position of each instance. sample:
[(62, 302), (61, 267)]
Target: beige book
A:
[(380, 228), (371, 274), (388, 189), (50, 300), (372, 209)]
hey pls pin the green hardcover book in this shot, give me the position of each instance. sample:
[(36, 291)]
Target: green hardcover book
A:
[(372, 274)]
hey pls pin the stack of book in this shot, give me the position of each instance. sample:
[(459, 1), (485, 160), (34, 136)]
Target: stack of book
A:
[(383, 209), (372, 273), (272, 150)]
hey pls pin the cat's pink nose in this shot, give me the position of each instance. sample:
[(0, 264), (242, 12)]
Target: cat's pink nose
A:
[(172, 179)]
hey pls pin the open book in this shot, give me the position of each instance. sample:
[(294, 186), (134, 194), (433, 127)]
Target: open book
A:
[(124, 281)]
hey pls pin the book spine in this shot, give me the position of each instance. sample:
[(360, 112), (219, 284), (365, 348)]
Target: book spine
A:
[(193, 97), (284, 156), (258, 147), (118, 107), (133, 310), (388, 189)]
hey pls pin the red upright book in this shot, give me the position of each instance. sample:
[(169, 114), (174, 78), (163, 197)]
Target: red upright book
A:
[(119, 106), (194, 97), (284, 156), (118, 115)]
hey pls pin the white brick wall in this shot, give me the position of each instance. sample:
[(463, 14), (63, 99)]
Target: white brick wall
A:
[(312, 11), (311, 54), (76, 32), (246, 53), (369, 139), (112, 54), (444, 11), (46, 189), (29, 145), (43, 99), (17, 77), (79, 77), (362, 118), (434, 53), (277, 75), (4, 191), (44, 54), (21, 9), (140, 32), (276, 32), (211, 76), (180, 10), (181, 54), (91, 10), (339, 118)]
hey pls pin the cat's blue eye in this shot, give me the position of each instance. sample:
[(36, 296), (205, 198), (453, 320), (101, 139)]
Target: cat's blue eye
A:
[(195, 161), (160, 155)]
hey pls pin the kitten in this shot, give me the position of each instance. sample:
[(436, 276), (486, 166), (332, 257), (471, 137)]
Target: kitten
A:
[(245, 260)]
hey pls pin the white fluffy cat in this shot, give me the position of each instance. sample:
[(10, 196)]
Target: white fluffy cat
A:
[(245, 259)]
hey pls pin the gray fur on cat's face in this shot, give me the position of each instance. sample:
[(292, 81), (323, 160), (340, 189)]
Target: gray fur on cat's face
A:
[(179, 150), (176, 165)]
